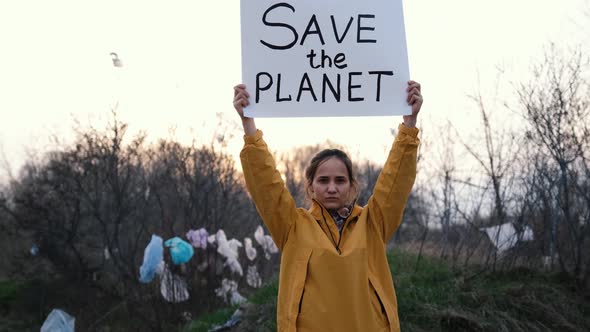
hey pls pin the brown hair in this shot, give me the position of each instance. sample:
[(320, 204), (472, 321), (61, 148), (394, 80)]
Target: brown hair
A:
[(322, 156)]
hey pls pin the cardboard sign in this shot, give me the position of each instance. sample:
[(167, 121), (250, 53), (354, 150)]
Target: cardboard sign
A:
[(309, 58)]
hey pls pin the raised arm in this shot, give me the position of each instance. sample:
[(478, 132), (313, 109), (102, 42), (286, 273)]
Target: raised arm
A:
[(240, 101), (395, 182), (273, 201)]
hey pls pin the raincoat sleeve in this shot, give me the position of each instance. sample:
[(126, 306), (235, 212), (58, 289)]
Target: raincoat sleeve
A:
[(273, 201), (391, 192)]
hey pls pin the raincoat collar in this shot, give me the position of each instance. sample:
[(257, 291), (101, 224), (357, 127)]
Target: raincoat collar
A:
[(318, 211)]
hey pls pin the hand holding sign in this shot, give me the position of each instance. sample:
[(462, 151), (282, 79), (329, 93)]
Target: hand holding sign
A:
[(241, 95), (415, 100), (240, 101), (327, 58)]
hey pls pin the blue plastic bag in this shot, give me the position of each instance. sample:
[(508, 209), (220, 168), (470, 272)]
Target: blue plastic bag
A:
[(153, 255), (34, 250), (180, 250), (58, 321)]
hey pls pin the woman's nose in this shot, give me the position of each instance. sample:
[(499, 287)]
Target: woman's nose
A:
[(331, 188)]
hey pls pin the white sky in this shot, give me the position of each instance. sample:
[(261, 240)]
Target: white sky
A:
[(182, 58)]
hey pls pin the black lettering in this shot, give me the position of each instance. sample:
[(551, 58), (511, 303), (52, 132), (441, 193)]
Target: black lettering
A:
[(364, 28), (317, 31), (258, 88), (304, 79), (335, 92), (379, 73), (338, 59), (279, 99), (350, 86), (324, 58), (311, 55), (284, 25), (339, 40)]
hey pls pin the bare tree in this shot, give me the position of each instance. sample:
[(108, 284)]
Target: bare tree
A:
[(91, 206), (556, 107), (496, 159)]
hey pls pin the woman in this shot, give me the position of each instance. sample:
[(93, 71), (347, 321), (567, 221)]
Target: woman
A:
[(334, 273)]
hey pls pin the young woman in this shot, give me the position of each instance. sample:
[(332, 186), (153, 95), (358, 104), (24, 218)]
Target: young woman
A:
[(334, 273)]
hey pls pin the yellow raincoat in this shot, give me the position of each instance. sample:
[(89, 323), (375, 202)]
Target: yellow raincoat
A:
[(331, 281)]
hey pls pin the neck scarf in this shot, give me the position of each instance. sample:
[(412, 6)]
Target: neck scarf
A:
[(340, 216)]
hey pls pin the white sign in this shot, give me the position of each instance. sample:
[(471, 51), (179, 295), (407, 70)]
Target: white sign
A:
[(303, 58)]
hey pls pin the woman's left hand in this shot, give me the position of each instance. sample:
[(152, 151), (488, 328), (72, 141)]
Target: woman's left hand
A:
[(415, 100)]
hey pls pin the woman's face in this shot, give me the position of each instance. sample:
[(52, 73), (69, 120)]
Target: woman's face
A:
[(330, 185)]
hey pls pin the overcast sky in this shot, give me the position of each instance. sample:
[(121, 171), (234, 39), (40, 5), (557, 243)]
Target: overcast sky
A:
[(182, 58)]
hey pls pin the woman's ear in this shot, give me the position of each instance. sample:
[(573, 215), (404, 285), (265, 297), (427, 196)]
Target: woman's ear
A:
[(309, 192)]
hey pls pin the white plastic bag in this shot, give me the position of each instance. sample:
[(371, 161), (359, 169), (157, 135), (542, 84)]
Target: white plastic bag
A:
[(173, 288), (58, 321)]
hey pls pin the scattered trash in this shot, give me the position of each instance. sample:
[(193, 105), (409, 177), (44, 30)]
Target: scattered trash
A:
[(180, 250), (229, 250), (220, 236), (107, 253), (268, 245), (549, 262), (187, 316), (229, 292), (250, 251), (198, 238), (234, 320), (253, 277), (173, 287), (152, 256), (34, 250), (234, 245), (161, 268), (259, 236), (505, 236), (527, 234), (58, 321), (234, 266), (237, 298)]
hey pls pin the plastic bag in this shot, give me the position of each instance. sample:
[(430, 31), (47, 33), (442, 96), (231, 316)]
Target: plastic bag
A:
[(153, 255), (228, 291), (34, 250), (180, 251), (173, 288), (253, 277), (198, 238), (250, 250), (58, 321)]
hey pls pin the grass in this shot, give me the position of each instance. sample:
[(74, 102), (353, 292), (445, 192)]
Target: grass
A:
[(266, 294), (433, 297), (9, 291), (206, 321), (15, 294), (264, 297)]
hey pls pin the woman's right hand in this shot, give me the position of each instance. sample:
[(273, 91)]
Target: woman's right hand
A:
[(241, 99)]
